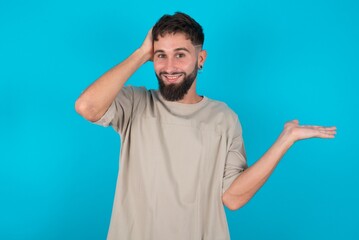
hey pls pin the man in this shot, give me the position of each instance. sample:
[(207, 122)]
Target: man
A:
[(182, 155)]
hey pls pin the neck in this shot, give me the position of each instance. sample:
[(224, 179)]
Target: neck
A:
[(190, 99)]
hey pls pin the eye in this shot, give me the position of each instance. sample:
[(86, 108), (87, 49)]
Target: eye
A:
[(180, 55), (161, 55)]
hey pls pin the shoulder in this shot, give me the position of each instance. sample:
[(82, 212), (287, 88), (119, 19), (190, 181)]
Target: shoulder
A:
[(133, 93), (222, 109), (134, 89), (225, 118)]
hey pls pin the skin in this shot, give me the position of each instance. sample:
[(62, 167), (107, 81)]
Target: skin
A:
[(175, 53), (252, 179)]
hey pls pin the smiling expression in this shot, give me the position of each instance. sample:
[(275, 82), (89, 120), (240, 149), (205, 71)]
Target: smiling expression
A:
[(176, 62)]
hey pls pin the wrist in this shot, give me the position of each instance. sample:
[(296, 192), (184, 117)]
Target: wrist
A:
[(146, 55), (286, 139)]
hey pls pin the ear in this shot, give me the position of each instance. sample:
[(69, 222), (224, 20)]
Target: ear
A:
[(202, 55)]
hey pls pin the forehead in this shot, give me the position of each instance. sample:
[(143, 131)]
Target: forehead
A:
[(170, 41)]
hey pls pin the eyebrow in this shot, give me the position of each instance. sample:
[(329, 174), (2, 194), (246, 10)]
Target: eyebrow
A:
[(157, 51), (182, 49), (176, 50)]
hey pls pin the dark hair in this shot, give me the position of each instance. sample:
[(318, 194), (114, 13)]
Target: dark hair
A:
[(178, 23)]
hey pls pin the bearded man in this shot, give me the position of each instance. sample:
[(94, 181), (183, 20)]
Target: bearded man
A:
[(182, 154)]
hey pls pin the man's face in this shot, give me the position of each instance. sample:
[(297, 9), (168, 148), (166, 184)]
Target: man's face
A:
[(176, 63)]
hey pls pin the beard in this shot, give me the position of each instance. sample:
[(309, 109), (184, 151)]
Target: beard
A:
[(176, 91)]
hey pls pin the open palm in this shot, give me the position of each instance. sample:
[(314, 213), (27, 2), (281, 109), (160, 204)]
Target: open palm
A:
[(299, 132)]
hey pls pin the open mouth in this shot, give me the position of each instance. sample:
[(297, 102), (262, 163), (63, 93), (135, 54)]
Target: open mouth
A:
[(172, 78)]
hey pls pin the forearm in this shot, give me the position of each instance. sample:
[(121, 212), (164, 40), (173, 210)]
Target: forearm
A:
[(252, 179), (95, 100)]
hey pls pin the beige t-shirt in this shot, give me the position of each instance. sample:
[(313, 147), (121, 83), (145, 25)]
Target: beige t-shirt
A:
[(176, 161)]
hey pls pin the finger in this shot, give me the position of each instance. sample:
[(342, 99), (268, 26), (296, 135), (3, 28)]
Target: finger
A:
[(332, 127), (293, 121), (319, 127), (327, 133), (328, 136), (324, 129), (309, 126)]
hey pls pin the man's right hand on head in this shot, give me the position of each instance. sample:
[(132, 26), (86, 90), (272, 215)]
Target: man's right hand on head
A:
[(147, 46), (97, 98)]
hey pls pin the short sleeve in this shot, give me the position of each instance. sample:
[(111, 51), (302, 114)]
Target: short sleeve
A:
[(123, 108), (236, 161)]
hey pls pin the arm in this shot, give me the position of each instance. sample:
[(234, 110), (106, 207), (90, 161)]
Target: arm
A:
[(97, 98), (251, 180)]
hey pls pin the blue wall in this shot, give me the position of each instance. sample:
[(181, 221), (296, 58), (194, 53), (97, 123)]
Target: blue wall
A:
[(271, 61)]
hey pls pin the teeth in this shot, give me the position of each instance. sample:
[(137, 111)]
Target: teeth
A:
[(172, 77)]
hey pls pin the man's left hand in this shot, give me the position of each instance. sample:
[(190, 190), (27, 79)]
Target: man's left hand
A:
[(296, 132)]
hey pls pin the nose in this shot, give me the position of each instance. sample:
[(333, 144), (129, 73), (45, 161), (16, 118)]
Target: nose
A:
[(170, 65)]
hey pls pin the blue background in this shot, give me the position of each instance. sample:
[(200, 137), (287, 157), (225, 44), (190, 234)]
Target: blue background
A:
[(271, 61)]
